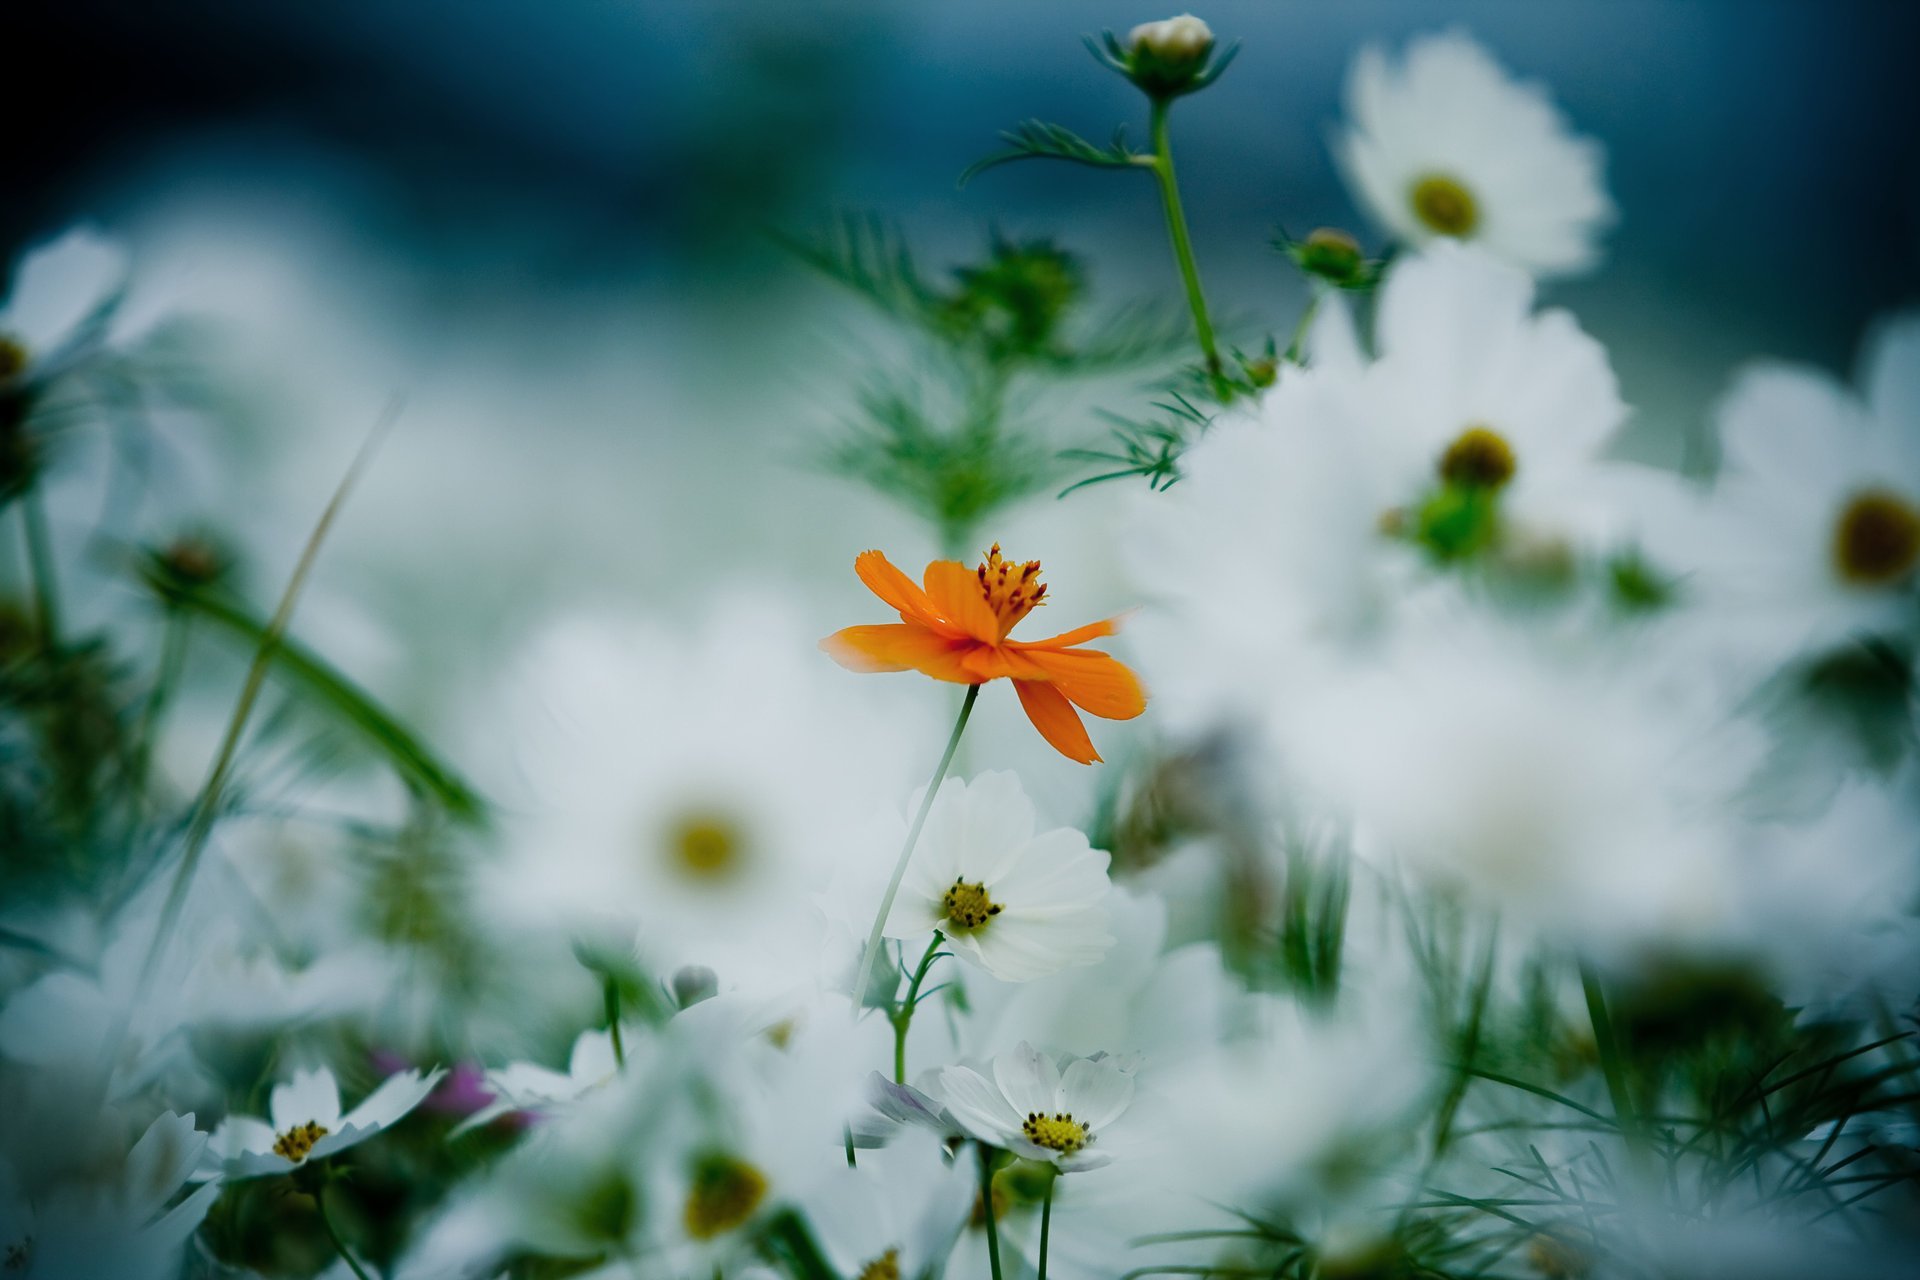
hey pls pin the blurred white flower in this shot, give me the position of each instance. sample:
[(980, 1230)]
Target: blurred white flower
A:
[(1019, 903), (700, 782), (61, 289), (1036, 1107), (1810, 535), (305, 1124), (896, 1213), (112, 1227), (1445, 144), (528, 1086)]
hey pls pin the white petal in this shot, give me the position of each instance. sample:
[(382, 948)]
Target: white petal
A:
[(1028, 1079), (398, 1094), (166, 1154), (311, 1097), (1096, 1092), (59, 285), (977, 1106)]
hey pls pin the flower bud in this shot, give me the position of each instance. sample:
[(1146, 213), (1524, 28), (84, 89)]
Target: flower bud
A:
[(1333, 256), (694, 983), (1167, 58)]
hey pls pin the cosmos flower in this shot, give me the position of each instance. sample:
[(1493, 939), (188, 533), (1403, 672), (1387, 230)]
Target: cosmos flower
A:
[(306, 1124), (954, 627), (1041, 1109), (1019, 903), (1446, 145), (60, 289)]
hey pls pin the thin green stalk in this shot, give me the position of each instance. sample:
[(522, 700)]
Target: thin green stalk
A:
[(46, 594), (333, 1234), (1046, 1222), (173, 655), (612, 988), (207, 804), (1610, 1065), (986, 1207), (872, 951), (1177, 232), (903, 1017)]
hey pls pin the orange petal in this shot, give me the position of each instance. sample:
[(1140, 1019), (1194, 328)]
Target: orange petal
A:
[(898, 590), (1096, 682), (955, 590), (900, 646), (1056, 720), (1079, 635)]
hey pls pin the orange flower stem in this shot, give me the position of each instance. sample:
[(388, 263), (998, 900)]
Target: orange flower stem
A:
[(872, 951)]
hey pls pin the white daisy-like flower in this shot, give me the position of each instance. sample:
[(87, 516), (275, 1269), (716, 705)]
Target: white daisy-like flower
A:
[(60, 289), (528, 1086), (305, 1124), (1036, 1107), (124, 1225), (698, 783), (894, 1214), (1810, 535), (1019, 903), (1445, 144)]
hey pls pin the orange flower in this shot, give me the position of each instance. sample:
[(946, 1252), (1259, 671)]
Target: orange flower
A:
[(955, 627)]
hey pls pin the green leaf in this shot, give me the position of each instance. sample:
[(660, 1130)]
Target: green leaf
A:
[(1038, 140), (315, 676)]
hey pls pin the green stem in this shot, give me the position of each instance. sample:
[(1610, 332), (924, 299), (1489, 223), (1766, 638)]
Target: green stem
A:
[(1046, 1222), (872, 951), (46, 596), (333, 1234), (173, 655), (1610, 1064), (612, 989), (986, 1207), (1182, 242), (903, 1017)]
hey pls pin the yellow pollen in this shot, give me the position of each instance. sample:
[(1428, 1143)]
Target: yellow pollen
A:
[(884, 1267), (1012, 590), (1480, 458), (724, 1194), (1057, 1132), (705, 847), (967, 907), (1445, 206), (1877, 539), (13, 359), (296, 1142)]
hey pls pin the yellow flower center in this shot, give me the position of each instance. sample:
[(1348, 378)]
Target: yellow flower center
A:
[(706, 847), (1480, 458), (1057, 1132), (1445, 206), (296, 1142), (884, 1267), (967, 907), (13, 358), (1012, 590), (724, 1194), (1877, 539)]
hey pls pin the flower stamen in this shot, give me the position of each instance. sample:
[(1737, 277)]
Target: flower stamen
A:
[(1057, 1132), (724, 1194), (298, 1141), (705, 847), (884, 1267), (1012, 590), (1480, 458), (13, 358), (967, 906), (1877, 539), (1445, 206)]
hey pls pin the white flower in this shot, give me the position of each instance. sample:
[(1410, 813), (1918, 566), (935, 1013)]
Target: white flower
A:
[(698, 782), (1040, 1109), (1446, 144), (306, 1124), (528, 1086), (1180, 39), (896, 1213), (1810, 534), (117, 1228), (59, 290), (1019, 904)]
